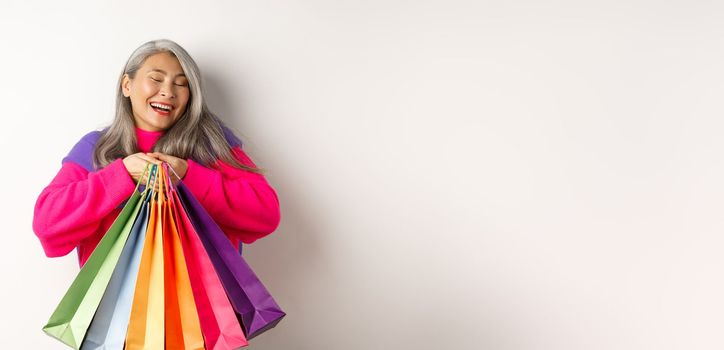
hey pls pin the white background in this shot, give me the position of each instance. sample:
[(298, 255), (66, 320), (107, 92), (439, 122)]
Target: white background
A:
[(452, 175)]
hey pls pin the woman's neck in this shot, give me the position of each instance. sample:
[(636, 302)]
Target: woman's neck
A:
[(146, 139)]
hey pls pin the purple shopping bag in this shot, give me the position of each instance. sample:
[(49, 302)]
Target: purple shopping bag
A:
[(252, 302)]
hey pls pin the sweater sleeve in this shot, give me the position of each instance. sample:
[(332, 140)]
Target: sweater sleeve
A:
[(243, 203), (73, 205)]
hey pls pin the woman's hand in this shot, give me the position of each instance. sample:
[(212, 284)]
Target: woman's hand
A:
[(179, 165), (136, 165)]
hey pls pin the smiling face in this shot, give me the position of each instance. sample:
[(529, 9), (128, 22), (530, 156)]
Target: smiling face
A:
[(159, 92)]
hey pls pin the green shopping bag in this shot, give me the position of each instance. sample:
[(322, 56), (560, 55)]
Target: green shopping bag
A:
[(71, 319)]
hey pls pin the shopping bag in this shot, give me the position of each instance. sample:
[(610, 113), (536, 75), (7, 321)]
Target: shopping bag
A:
[(146, 322), (71, 319), (251, 300), (219, 325), (183, 330), (110, 323)]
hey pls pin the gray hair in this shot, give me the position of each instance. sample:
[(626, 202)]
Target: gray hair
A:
[(197, 134)]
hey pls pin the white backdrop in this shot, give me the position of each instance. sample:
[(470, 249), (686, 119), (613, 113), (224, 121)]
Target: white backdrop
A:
[(452, 174)]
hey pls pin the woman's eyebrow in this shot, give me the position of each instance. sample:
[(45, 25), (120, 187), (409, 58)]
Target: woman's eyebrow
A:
[(164, 72)]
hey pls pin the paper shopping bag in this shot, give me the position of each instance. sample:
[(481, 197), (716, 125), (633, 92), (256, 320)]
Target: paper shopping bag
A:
[(250, 299), (146, 323), (71, 319), (219, 325), (183, 330), (110, 323)]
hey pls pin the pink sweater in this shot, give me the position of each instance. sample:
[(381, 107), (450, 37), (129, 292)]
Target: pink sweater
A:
[(78, 206)]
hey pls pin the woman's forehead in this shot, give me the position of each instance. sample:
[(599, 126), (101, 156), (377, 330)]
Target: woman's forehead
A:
[(154, 69), (163, 63)]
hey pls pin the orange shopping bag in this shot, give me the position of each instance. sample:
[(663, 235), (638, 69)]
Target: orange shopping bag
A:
[(146, 324)]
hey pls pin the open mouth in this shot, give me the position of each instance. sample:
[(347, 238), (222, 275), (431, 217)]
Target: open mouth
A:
[(160, 108)]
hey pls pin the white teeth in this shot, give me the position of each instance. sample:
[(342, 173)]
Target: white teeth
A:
[(161, 106)]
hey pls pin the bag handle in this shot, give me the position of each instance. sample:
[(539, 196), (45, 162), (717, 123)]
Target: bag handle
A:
[(174, 172), (152, 180), (167, 177), (162, 184), (145, 170)]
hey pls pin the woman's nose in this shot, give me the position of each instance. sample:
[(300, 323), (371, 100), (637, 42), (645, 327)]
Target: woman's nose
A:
[(167, 91)]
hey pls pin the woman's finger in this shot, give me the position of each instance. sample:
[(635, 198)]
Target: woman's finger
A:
[(155, 155), (149, 159)]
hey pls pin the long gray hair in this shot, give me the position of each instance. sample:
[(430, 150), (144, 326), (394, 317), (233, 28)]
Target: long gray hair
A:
[(196, 135)]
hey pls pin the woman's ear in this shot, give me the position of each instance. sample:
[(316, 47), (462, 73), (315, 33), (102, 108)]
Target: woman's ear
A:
[(126, 85)]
